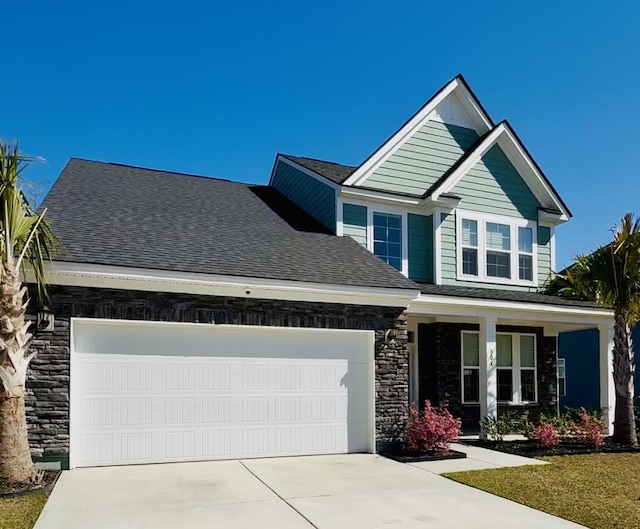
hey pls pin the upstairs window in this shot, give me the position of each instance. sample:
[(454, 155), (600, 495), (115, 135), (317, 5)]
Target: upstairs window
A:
[(387, 238), (496, 250)]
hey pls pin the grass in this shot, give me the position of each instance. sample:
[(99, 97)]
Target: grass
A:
[(600, 491), (21, 512)]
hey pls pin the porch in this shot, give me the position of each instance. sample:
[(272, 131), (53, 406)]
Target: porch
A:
[(491, 356)]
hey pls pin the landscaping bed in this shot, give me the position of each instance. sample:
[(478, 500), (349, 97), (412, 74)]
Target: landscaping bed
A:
[(404, 456), (531, 448)]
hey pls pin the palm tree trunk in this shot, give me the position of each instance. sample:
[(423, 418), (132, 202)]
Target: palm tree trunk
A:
[(624, 426), (16, 465)]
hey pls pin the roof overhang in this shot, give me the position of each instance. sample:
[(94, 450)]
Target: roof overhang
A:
[(125, 278), (558, 316)]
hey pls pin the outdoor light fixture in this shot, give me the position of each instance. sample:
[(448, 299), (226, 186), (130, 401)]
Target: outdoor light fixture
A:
[(45, 319)]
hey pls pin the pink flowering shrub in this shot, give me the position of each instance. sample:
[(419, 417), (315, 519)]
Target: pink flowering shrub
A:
[(432, 430), (589, 429), (546, 434)]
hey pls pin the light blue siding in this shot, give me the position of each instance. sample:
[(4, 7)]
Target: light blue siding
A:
[(424, 158), (354, 223), (420, 247), (316, 198), (494, 186), (448, 257)]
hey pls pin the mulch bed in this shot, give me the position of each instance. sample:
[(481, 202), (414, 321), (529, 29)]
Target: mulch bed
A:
[(417, 457), (528, 448), (45, 483)]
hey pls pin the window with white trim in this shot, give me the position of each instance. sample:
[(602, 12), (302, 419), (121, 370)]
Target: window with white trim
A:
[(496, 249), (470, 366), (516, 370), (387, 238), (562, 377)]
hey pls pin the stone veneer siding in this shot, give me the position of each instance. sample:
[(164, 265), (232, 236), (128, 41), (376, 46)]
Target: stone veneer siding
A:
[(440, 361), (48, 377)]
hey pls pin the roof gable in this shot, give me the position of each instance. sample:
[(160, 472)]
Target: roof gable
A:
[(454, 103), (516, 153)]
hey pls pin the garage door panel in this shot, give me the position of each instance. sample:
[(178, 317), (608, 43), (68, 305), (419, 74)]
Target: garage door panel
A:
[(215, 402)]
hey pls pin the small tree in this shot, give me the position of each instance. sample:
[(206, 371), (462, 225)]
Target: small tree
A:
[(25, 238), (610, 276)]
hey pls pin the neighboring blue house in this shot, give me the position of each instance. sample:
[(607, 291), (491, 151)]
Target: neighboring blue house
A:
[(414, 275), (578, 368)]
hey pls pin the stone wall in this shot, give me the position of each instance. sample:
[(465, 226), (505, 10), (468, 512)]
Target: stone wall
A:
[(443, 340), (48, 378)]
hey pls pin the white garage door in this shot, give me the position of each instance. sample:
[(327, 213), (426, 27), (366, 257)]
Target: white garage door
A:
[(161, 392)]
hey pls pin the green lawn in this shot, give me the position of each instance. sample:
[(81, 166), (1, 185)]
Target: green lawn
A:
[(21, 512), (601, 491)]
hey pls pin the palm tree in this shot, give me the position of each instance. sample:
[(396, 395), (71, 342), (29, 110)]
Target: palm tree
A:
[(611, 276), (25, 240)]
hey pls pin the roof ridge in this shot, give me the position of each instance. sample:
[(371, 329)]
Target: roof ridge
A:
[(178, 173), (292, 156)]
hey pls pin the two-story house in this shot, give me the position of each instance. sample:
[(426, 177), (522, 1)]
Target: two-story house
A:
[(457, 204), (195, 318)]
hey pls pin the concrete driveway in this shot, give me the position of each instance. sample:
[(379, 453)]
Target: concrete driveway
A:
[(325, 492)]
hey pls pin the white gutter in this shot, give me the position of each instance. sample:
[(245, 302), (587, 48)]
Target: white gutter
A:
[(120, 277)]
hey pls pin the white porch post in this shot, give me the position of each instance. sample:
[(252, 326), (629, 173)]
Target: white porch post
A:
[(488, 390), (607, 388)]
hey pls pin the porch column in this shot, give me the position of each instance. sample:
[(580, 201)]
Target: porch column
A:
[(488, 389), (607, 388)]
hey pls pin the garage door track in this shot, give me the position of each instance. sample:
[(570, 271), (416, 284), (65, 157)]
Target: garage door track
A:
[(325, 492)]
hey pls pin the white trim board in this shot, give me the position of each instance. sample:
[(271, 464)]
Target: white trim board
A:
[(504, 136), (465, 308), (426, 113), (119, 277)]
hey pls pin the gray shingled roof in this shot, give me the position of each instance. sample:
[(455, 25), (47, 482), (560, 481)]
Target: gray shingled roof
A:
[(335, 172), (502, 295), (120, 215)]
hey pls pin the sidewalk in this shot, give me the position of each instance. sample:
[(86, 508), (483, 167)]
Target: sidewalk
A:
[(477, 459)]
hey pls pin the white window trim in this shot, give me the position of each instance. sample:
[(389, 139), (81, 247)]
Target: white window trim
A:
[(514, 224), (463, 367), (516, 367), (563, 362), (405, 232)]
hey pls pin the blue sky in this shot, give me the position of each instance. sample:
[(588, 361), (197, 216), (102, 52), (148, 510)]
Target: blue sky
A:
[(218, 88)]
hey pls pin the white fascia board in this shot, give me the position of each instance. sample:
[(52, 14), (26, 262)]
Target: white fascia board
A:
[(422, 206), (503, 136), (519, 157), (368, 194), (308, 172), (435, 305), (116, 277)]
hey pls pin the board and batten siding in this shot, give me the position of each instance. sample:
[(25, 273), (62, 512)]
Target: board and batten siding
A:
[(494, 186), (354, 223), (448, 257), (316, 198), (420, 250), (424, 158)]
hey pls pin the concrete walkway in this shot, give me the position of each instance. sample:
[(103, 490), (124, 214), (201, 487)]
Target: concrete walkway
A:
[(477, 459), (322, 492)]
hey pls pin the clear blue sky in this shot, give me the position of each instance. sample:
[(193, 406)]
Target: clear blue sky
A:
[(218, 88)]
